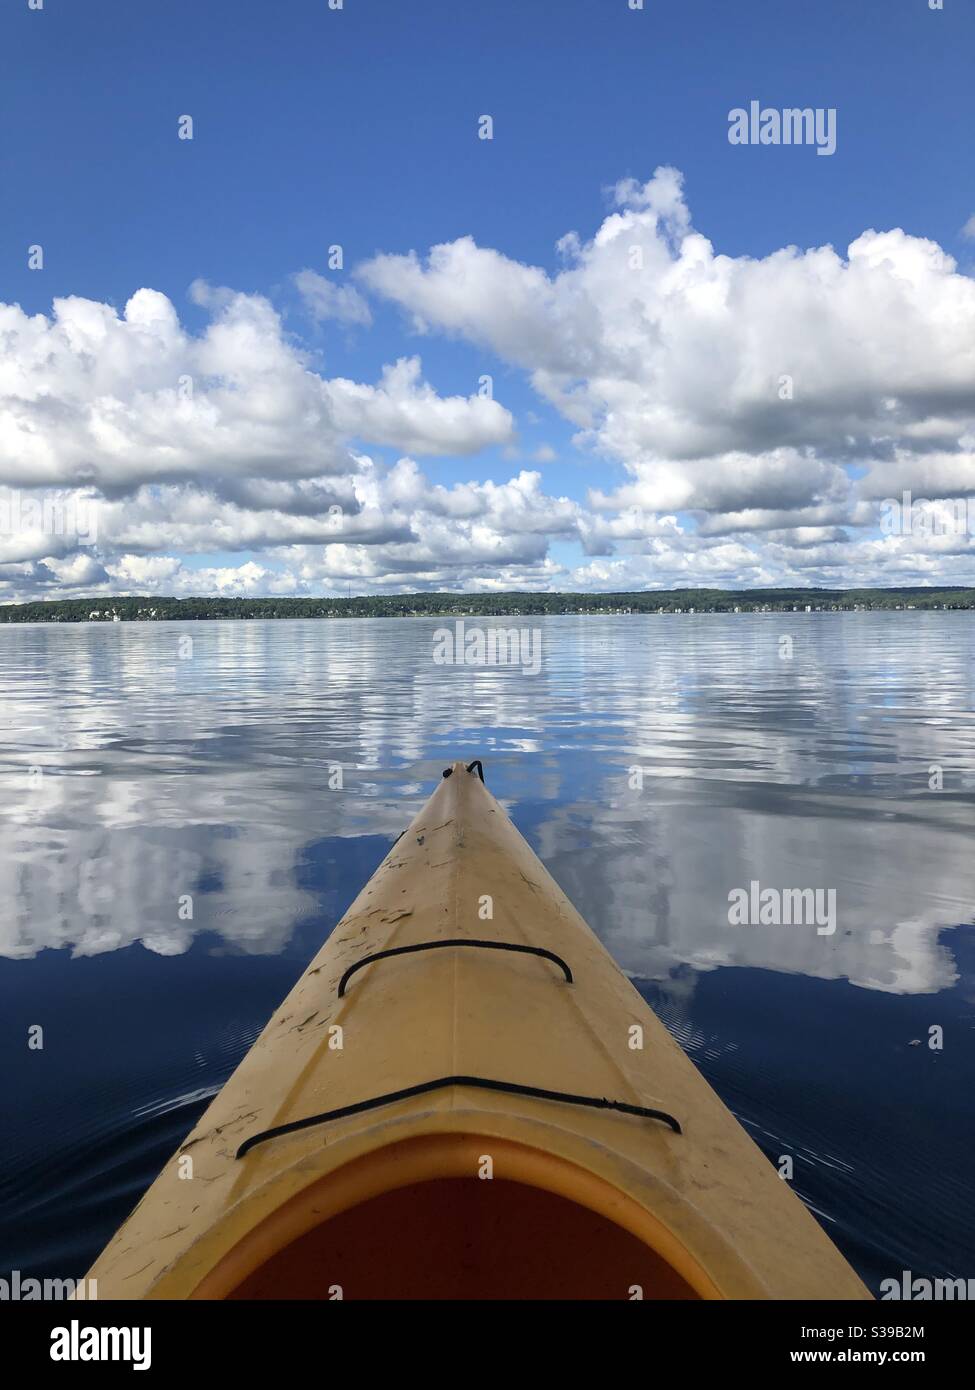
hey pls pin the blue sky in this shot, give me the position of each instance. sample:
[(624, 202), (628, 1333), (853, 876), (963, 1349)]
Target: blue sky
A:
[(359, 127)]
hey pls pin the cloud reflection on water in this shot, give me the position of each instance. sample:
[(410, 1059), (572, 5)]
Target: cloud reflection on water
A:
[(161, 777)]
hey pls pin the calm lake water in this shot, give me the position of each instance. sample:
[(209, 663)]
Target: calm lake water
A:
[(161, 776)]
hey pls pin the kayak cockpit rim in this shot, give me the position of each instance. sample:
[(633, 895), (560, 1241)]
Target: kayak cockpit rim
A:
[(431, 1158)]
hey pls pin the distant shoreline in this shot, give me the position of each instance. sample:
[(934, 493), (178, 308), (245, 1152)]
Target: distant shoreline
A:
[(140, 608)]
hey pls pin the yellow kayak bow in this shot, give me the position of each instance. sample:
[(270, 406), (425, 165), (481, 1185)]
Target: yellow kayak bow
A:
[(463, 1097)]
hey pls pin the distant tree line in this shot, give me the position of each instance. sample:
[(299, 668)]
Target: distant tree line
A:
[(146, 609)]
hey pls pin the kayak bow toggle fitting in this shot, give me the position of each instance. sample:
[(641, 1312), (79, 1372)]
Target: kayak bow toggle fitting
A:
[(470, 768), (455, 941)]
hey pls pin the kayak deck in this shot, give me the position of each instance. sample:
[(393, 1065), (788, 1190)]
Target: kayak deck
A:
[(434, 1122)]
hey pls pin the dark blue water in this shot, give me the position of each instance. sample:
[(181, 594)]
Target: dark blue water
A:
[(208, 776)]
